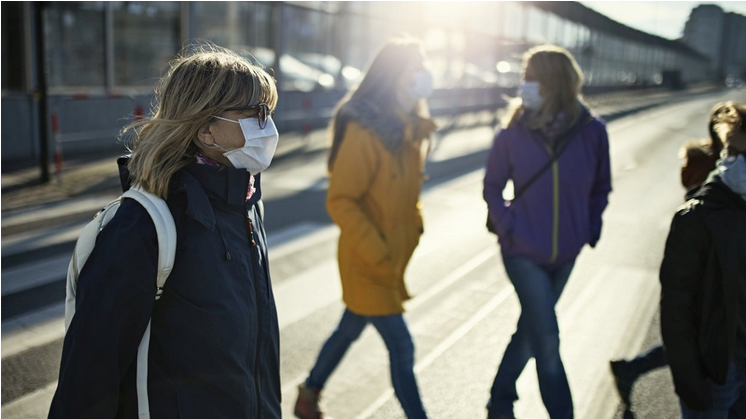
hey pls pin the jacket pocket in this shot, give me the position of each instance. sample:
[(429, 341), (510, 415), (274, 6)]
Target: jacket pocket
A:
[(381, 273), (505, 228)]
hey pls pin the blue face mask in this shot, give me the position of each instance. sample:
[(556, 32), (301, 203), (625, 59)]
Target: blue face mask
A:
[(422, 86), (530, 96), (733, 173)]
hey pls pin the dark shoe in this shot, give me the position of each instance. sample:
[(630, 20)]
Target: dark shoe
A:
[(307, 405), (624, 379)]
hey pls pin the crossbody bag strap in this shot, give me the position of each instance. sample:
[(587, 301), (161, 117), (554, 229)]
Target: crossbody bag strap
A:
[(566, 139)]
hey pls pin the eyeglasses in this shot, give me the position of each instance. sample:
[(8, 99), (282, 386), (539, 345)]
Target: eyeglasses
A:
[(263, 112)]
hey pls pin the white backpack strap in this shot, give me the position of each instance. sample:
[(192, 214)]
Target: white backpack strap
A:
[(165, 229), (83, 248), (143, 403)]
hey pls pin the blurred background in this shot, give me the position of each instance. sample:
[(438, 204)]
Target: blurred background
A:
[(73, 71)]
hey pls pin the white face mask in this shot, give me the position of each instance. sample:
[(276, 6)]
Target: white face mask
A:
[(733, 174), (530, 94), (422, 86), (256, 154)]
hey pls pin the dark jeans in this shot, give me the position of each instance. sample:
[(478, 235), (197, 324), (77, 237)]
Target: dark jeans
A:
[(537, 335), (728, 399), (395, 333)]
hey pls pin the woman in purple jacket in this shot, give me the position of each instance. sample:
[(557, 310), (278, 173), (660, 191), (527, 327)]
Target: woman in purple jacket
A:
[(557, 156)]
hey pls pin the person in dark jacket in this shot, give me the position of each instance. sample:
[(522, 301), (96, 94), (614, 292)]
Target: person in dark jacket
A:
[(700, 157), (703, 278), (214, 344), (542, 230)]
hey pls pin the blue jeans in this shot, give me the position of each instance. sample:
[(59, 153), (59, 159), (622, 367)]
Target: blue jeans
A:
[(725, 398), (395, 333), (537, 335)]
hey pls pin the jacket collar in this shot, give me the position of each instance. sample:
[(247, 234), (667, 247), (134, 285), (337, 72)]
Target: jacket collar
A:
[(200, 182)]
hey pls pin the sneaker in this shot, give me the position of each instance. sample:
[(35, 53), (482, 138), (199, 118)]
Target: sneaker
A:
[(624, 380), (307, 405)]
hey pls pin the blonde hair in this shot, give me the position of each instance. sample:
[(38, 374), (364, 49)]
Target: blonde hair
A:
[(379, 87), (202, 81), (561, 79)]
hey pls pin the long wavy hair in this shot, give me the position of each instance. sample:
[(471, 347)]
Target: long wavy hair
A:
[(203, 80), (561, 80), (378, 87)]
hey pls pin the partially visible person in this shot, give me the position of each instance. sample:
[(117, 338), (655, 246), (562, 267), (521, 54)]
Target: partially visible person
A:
[(703, 278), (700, 157), (214, 342), (557, 155), (376, 162)]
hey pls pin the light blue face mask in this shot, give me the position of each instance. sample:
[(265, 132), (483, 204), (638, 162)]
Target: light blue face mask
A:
[(422, 86), (733, 173), (530, 97)]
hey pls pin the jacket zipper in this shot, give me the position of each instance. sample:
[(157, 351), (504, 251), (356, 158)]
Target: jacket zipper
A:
[(555, 204), (259, 316), (555, 213)]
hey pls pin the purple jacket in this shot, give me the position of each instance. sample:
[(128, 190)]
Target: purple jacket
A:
[(561, 211)]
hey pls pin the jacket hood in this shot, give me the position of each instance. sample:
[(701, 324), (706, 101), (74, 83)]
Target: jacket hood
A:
[(388, 126)]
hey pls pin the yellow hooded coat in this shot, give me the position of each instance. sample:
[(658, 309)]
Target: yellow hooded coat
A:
[(374, 197)]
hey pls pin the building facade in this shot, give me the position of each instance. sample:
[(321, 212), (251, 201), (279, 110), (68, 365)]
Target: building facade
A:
[(719, 36), (74, 72)]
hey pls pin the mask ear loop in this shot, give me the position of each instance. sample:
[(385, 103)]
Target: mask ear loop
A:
[(215, 146), (212, 146)]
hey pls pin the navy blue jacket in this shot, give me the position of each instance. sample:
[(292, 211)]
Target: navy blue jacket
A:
[(214, 350)]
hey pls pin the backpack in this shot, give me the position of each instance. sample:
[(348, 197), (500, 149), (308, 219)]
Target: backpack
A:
[(166, 231)]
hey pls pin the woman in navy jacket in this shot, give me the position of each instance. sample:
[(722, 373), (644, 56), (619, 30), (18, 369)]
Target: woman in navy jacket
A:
[(214, 345)]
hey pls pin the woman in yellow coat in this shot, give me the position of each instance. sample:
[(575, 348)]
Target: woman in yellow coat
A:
[(379, 142)]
